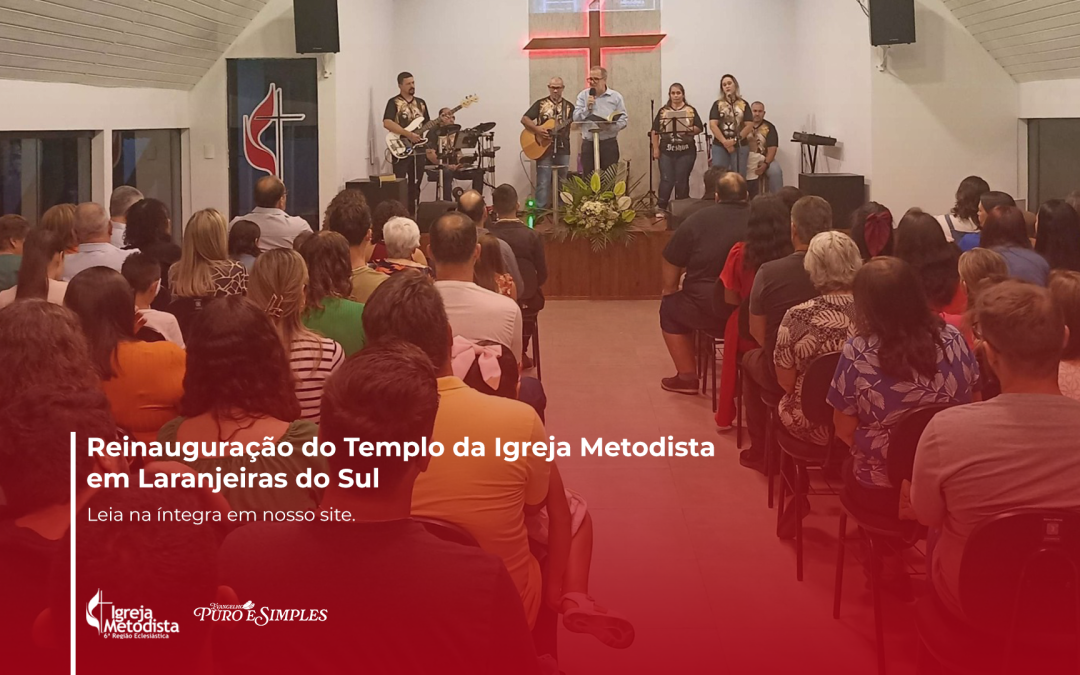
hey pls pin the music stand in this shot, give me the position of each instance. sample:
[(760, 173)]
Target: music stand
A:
[(594, 128)]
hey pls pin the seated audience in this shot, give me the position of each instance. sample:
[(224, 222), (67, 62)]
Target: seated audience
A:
[(816, 327), (94, 232), (121, 201), (688, 207), (204, 271), (298, 243), (488, 496), (474, 312), (277, 229), (768, 238), (978, 268), (43, 345), (239, 387), (778, 286), (402, 240), (1073, 200), (699, 248), (1017, 451), (872, 230), (1065, 290), (13, 231), (40, 270), (36, 454), (278, 283), (143, 380), (921, 244), (328, 310), (490, 273), (149, 229), (904, 356), (244, 243), (528, 247), (1005, 231), (382, 570), (168, 567), (472, 204), (384, 211), (143, 273), (987, 202), (789, 194), (60, 220), (964, 219), (348, 215), (1057, 235)]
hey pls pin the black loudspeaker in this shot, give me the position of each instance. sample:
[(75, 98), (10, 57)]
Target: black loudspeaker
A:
[(845, 192), (892, 22), (316, 23), (376, 191), (428, 212)]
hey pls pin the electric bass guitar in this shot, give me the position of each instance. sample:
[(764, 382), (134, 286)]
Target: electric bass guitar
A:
[(536, 146), (401, 147)]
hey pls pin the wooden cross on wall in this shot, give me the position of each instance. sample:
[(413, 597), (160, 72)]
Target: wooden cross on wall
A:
[(595, 42)]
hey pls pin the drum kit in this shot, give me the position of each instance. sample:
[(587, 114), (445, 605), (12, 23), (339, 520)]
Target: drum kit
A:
[(473, 149)]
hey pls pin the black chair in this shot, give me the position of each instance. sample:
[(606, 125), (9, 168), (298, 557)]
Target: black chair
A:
[(707, 343), (447, 531), (1020, 593), (531, 326), (903, 441), (802, 455)]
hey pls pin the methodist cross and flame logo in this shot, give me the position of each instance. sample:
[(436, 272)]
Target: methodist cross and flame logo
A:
[(268, 113)]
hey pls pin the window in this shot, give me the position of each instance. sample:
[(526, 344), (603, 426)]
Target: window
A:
[(39, 170), (149, 160), (1053, 163)]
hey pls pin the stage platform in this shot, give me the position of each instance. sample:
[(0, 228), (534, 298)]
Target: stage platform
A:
[(622, 271)]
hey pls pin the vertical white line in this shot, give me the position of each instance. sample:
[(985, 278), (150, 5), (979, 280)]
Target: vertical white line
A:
[(72, 613)]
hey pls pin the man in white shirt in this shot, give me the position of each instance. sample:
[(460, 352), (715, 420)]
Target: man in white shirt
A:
[(93, 229), (472, 204), (475, 312), (277, 229), (123, 198), (143, 273)]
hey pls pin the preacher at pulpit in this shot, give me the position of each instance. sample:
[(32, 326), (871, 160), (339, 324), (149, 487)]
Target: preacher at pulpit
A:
[(600, 103)]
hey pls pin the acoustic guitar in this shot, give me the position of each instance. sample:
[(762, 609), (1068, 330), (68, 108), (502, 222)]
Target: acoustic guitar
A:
[(536, 146)]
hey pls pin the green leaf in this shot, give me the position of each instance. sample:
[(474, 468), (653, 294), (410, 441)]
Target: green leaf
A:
[(582, 185), (594, 182), (628, 216), (620, 188)]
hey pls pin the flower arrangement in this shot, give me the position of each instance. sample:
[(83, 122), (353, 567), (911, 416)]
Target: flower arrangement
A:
[(598, 210)]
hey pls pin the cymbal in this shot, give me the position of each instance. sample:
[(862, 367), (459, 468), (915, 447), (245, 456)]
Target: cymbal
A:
[(484, 127), (449, 129)]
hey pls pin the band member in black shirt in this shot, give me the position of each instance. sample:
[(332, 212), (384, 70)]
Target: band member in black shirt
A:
[(400, 112), (442, 153), (552, 107), (727, 119), (673, 145)]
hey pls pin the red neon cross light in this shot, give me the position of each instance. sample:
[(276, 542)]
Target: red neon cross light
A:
[(596, 42)]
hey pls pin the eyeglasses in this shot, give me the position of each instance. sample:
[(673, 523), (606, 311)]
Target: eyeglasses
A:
[(554, 88)]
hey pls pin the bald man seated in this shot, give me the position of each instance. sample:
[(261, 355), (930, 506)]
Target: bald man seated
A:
[(277, 229), (472, 204), (93, 229)]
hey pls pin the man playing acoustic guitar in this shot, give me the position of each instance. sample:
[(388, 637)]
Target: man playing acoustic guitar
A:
[(546, 115)]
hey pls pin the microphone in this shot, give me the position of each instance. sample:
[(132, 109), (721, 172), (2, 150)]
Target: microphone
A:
[(592, 91)]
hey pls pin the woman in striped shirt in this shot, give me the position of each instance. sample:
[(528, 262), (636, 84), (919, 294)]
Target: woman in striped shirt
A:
[(277, 285)]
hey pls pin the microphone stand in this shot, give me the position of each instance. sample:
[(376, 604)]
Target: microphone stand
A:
[(651, 198)]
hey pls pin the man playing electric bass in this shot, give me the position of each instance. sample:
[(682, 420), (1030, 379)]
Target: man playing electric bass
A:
[(400, 112), (548, 121)]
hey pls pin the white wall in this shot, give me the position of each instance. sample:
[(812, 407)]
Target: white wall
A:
[(830, 68), (1050, 98), (944, 110), (466, 47), (697, 55)]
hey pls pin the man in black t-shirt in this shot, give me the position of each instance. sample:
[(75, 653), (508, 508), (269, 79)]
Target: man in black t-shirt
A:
[(397, 598), (778, 286), (769, 142), (552, 107), (442, 152), (699, 248), (401, 111)]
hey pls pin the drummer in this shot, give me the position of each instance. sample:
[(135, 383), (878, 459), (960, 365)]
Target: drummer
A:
[(442, 152)]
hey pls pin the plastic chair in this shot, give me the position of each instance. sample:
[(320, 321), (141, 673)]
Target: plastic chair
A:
[(1020, 593), (803, 455), (903, 441)]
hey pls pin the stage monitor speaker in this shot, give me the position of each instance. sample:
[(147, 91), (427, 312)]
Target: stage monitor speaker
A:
[(428, 212), (376, 191), (892, 22), (845, 192), (316, 24)]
